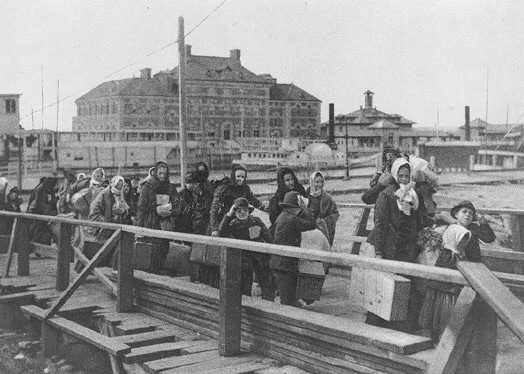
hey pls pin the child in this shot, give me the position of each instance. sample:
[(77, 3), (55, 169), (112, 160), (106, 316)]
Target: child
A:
[(240, 224), (440, 297), (466, 216)]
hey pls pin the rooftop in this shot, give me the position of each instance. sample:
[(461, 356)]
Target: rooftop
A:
[(289, 92)]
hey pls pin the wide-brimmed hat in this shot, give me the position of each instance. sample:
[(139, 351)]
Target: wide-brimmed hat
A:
[(464, 204), (290, 200), (242, 203)]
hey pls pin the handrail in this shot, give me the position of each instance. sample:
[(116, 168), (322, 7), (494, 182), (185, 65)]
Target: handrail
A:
[(514, 212)]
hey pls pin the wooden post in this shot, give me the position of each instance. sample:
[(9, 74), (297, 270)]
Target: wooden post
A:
[(517, 234), (481, 353), (125, 273), (22, 246), (361, 229), (12, 247), (49, 339), (456, 335), (182, 99), (230, 303), (63, 258)]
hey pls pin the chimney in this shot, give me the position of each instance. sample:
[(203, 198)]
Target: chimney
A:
[(368, 99), (467, 130), (145, 73), (188, 50), (234, 55), (331, 128)]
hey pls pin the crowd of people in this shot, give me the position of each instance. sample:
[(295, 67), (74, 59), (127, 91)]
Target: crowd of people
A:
[(407, 226)]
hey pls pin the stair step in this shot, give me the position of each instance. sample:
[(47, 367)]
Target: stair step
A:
[(157, 351)]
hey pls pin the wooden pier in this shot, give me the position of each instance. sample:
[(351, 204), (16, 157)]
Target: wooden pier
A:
[(161, 324)]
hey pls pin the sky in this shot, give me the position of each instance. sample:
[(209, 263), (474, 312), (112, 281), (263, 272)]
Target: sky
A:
[(422, 59)]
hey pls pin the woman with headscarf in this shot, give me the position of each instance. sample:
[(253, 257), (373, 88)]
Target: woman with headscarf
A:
[(398, 220), (323, 206), (11, 203), (129, 196), (159, 208), (63, 193), (440, 297), (286, 182), (42, 201), (110, 205)]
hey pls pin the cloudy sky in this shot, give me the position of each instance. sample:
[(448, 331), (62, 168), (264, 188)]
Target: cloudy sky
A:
[(419, 57)]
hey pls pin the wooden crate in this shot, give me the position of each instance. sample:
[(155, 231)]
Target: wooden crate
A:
[(384, 294), (310, 279)]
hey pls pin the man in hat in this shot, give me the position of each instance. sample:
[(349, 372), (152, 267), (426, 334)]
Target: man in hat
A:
[(240, 224), (289, 225), (466, 216), (382, 178)]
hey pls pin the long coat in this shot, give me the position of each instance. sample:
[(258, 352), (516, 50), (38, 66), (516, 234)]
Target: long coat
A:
[(278, 197), (395, 234), (146, 215), (328, 212)]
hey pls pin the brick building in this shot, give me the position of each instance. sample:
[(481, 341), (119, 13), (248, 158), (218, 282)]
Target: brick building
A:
[(225, 102)]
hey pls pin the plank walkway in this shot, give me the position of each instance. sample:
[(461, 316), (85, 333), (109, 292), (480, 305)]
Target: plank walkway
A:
[(157, 346), (139, 341)]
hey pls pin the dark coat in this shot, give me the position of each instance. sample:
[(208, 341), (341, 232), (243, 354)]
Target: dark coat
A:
[(238, 229), (478, 231), (278, 197), (288, 231), (395, 234), (146, 215), (195, 207), (328, 211), (101, 208), (226, 194)]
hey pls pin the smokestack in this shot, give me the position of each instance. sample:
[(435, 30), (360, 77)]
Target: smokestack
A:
[(467, 130), (331, 134)]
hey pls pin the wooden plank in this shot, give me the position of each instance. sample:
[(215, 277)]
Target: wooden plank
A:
[(49, 337), (216, 363), (125, 273), (517, 233), (17, 297), (241, 368), (78, 331), (96, 271), (102, 253), (507, 306), (156, 366), (157, 351), (64, 257), (130, 328), (151, 337), (456, 335), (22, 247), (11, 248), (203, 346), (230, 302)]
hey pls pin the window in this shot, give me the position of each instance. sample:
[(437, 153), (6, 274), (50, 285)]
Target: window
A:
[(10, 106), (256, 133), (227, 135)]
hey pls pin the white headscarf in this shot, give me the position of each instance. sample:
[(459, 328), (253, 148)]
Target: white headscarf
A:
[(114, 184), (407, 199), (313, 191), (452, 237)]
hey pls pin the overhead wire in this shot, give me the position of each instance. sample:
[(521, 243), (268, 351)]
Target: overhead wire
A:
[(127, 65)]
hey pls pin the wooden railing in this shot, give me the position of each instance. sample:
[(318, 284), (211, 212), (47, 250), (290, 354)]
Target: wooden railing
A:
[(487, 297)]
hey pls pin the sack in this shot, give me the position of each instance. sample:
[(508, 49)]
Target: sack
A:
[(315, 239), (80, 201), (164, 210)]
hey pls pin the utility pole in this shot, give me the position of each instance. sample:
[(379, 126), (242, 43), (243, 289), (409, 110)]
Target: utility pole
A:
[(42, 96), (54, 138), (20, 144), (182, 99)]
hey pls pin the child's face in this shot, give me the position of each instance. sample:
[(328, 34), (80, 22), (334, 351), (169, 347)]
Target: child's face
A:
[(464, 217), (318, 182), (242, 213), (240, 177), (403, 175)]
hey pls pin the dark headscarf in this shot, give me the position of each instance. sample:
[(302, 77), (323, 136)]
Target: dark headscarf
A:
[(281, 186), (202, 176), (162, 164), (233, 171)]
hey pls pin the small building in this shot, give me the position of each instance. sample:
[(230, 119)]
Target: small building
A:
[(9, 113), (366, 129), (483, 131)]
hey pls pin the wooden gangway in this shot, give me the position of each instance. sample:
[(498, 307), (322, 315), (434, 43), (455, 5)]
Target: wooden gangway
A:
[(306, 339)]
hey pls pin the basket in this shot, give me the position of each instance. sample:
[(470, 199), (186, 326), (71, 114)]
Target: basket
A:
[(309, 286)]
